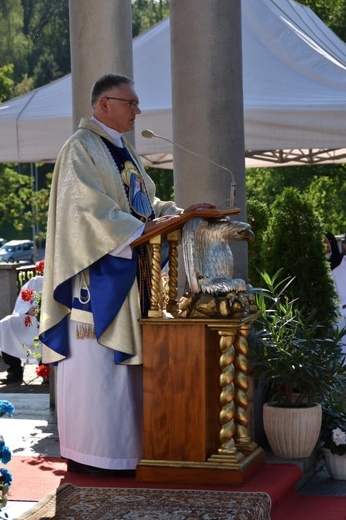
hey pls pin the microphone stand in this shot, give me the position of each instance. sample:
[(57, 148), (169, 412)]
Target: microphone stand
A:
[(149, 134)]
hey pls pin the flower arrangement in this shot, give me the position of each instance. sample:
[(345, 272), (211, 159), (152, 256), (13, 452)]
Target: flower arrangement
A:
[(337, 442), (333, 433), (6, 408), (35, 298)]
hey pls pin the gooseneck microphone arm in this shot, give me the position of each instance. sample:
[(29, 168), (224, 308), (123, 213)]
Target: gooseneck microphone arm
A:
[(149, 134)]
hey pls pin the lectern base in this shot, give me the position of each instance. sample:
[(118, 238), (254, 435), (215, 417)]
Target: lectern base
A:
[(218, 473)]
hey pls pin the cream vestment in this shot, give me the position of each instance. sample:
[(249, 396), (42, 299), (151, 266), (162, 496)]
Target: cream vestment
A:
[(99, 402)]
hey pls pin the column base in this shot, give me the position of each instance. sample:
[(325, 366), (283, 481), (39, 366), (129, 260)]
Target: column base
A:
[(218, 470)]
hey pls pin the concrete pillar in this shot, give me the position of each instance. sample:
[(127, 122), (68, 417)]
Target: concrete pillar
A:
[(207, 102), (101, 42), (8, 288)]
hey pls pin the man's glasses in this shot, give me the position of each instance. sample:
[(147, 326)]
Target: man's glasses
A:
[(132, 102)]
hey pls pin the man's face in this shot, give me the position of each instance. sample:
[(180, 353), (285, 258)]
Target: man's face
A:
[(328, 249), (120, 114)]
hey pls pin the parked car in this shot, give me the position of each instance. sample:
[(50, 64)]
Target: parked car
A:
[(2, 241), (18, 251)]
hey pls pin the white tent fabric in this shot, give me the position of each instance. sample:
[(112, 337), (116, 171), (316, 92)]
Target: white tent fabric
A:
[(33, 127), (294, 81), (294, 77)]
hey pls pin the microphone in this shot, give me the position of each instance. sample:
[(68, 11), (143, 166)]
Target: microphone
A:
[(149, 134)]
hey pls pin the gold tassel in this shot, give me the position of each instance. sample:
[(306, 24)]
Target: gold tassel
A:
[(85, 330)]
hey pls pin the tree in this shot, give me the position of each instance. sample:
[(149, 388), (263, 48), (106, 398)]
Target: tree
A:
[(324, 184), (36, 214), (22, 208), (258, 218), (46, 26), (30, 29), (293, 243), (146, 13), (328, 194), (14, 46), (163, 181), (332, 12), (15, 193), (6, 81)]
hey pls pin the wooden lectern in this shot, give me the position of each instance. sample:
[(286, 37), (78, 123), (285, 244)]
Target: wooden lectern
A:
[(195, 386)]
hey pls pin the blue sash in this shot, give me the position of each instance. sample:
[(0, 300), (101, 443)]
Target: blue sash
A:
[(111, 279)]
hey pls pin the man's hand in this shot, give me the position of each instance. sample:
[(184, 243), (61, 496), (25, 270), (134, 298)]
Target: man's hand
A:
[(158, 222), (202, 205)]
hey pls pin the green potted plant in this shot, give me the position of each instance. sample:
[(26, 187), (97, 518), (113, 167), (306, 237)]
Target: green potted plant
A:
[(298, 366)]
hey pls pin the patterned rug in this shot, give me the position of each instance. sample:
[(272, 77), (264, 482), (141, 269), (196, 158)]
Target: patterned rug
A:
[(79, 503)]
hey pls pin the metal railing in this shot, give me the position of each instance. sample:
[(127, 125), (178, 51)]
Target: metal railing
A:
[(24, 274)]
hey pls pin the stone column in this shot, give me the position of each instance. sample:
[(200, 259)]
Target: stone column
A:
[(207, 102), (8, 288), (101, 42)]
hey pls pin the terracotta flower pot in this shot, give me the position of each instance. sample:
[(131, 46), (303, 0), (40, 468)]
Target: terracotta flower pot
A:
[(292, 432), (335, 464)]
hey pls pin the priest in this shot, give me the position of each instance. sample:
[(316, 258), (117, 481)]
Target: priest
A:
[(97, 286)]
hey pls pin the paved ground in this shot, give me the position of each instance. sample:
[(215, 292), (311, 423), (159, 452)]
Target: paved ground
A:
[(33, 428), (31, 383)]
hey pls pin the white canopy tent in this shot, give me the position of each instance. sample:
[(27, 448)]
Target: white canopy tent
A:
[(294, 77)]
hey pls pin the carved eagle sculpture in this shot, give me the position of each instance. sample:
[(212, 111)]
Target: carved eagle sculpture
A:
[(208, 257)]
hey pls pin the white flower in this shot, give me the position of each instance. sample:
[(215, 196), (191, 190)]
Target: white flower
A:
[(339, 437)]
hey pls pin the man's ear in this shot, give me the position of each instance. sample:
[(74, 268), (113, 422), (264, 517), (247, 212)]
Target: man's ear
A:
[(103, 103)]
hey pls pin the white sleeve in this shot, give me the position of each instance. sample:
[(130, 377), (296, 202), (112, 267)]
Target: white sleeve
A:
[(125, 250)]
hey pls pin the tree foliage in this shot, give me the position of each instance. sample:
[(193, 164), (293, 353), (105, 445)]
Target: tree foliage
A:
[(258, 218), (22, 207), (293, 243), (34, 38), (146, 13), (15, 194), (323, 184), (6, 81), (332, 12)]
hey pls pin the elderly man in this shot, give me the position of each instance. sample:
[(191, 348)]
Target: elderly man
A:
[(97, 286)]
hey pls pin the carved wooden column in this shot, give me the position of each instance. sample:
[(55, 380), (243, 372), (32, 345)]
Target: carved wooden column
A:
[(173, 239), (155, 310)]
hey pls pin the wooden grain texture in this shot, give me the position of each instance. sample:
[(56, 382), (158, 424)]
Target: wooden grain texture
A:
[(180, 392)]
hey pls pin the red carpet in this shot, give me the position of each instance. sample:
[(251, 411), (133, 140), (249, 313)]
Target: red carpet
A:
[(34, 477), (303, 507)]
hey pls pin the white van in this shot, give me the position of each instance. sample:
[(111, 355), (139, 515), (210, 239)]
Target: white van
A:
[(18, 251)]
